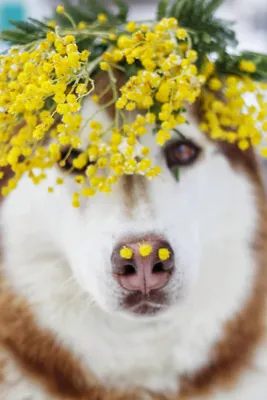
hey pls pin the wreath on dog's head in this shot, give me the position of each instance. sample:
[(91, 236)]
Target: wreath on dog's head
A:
[(185, 55)]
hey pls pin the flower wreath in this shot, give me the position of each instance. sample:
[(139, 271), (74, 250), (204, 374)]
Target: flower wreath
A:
[(185, 55)]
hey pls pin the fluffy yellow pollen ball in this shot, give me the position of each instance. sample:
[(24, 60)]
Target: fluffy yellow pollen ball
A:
[(181, 34), (164, 254), (131, 27), (102, 18), (145, 250), (60, 9), (247, 66), (104, 66), (126, 253), (95, 98), (76, 203)]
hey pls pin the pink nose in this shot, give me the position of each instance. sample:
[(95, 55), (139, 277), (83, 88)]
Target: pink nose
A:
[(140, 272)]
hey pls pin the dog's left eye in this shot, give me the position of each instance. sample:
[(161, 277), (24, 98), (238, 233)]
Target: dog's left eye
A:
[(181, 153), (68, 156)]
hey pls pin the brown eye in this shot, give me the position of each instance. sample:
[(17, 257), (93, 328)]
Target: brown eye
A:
[(181, 153)]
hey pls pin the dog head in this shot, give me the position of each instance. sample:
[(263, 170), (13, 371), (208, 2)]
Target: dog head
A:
[(204, 214)]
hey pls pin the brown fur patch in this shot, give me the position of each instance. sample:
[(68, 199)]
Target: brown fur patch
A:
[(2, 368), (242, 160), (134, 189), (102, 82), (127, 185), (42, 358), (34, 348)]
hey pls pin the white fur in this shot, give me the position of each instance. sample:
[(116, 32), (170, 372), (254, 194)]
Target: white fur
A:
[(59, 258), (16, 386)]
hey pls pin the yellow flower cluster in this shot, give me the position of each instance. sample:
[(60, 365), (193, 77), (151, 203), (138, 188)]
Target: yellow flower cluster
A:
[(171, 82), (39, 85), (42, 85), (105, 160), (235, 110), (167, 75), (145, 250), (119, 155)]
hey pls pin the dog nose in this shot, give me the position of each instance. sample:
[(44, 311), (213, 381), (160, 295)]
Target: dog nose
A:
[(143, 264)]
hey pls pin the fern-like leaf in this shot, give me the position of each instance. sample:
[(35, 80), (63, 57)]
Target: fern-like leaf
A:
[(211, 6), (16, 37), (162, 10), (26, 27), (229, 64), (123, 10)]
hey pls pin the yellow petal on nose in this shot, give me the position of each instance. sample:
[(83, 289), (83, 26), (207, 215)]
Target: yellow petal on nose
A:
[(126, 253), (145, 250), (164, 254)]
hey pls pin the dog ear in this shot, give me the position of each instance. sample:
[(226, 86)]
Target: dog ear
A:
[(262, 162)]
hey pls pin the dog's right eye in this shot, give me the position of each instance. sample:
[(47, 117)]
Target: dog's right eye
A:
[(181, 153), (68, 158)]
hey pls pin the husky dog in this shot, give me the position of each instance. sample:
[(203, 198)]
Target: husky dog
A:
[(78, 322)]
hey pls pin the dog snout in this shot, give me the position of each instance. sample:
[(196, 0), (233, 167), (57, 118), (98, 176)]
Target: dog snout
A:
[(143, 264)]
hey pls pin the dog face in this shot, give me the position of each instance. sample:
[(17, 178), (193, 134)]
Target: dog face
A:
[(198, 218), (189, 216)]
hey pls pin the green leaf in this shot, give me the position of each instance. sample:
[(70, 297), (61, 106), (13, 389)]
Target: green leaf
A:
[(176, 173), (49, 103), (25, 32), (209, 33), (123, 10), (79, 12), (40, 24), (180, 134), (229, 64), (26, 27), (131, 69), (15, 37), (88, 10), (162, 9), (155, 130), (100, 8), (177, 7), (212, 6)]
